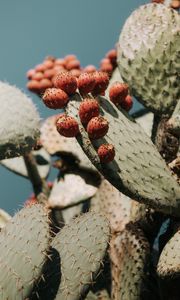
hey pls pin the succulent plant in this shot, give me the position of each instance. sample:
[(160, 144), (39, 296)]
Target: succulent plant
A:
[(108, 226)]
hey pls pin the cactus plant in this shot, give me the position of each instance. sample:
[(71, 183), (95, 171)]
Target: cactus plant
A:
[(96, 231)]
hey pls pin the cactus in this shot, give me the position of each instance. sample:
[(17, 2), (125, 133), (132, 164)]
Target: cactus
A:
[(96, 232), (19, 122), (149, 56)]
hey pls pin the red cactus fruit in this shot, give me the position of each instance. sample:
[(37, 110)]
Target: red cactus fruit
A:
[(49, 73), (89, 69), (60, 62), (127, 103), (106, 67), (97, 128), (101, 82), (88, 109), (75, 72), (175, 4), (33, 86), (48, 63), (38, 76), (118, 92), (106, 153), (45, 84), (40, 68), (30, 73), (69, 57), (112, 56), (67, 126), (86, 83), (55, 98), (73, 64), (66, 81)]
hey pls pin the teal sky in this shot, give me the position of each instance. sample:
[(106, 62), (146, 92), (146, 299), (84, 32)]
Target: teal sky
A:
[(31, 30)]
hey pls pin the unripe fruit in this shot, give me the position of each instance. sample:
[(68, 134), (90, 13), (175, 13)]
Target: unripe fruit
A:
[(86, 83), (75, 72), (66, 81), (175, 4), (88, 109), (127, 103), (33, 86), (69, 57), (30, 73), (112, 55), (38, 76), (118, 92), (55, 98), (101, 82), (48, 63), (49, 73), (60, 62), (106, 153), (40, 68), (89, 69), (106, 67), (67, 126), (97, 128), (45, 84), (73, 64)]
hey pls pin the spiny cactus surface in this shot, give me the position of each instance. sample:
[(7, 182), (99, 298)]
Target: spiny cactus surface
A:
[(138, 169), (169, 261), (81, 245), (24, 243), (149, 56), (129, 254), (19, 124)]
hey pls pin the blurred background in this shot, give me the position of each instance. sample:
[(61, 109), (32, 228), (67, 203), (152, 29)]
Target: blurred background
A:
[(31, 30)]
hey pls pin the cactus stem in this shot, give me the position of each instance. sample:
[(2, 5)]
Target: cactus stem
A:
[(40, 187)]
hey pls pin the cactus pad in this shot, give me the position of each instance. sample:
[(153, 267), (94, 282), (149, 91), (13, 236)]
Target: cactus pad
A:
[(169, 261), (82, 245), (17, 164), (138, 170), (149, 56), (129, 253), (24, 244), (4, 218), (113, 204), (70, 190), (19, 123)]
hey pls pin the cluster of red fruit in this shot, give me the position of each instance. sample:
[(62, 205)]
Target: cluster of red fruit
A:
[(63, 82), (43, 75), (174, 3)]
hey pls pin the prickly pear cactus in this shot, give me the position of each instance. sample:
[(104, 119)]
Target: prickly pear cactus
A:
[(149, 56), (138, 169), (19, 124), (129, 253), (81, 253), (24, 243)]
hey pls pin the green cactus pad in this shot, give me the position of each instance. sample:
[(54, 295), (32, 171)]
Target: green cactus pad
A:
[(138, 170), (4, 218), (19, 123), (149, 56), (129, 253), (169, 261), (17, 164), (82, 245), (24, 244), (113, 204)]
